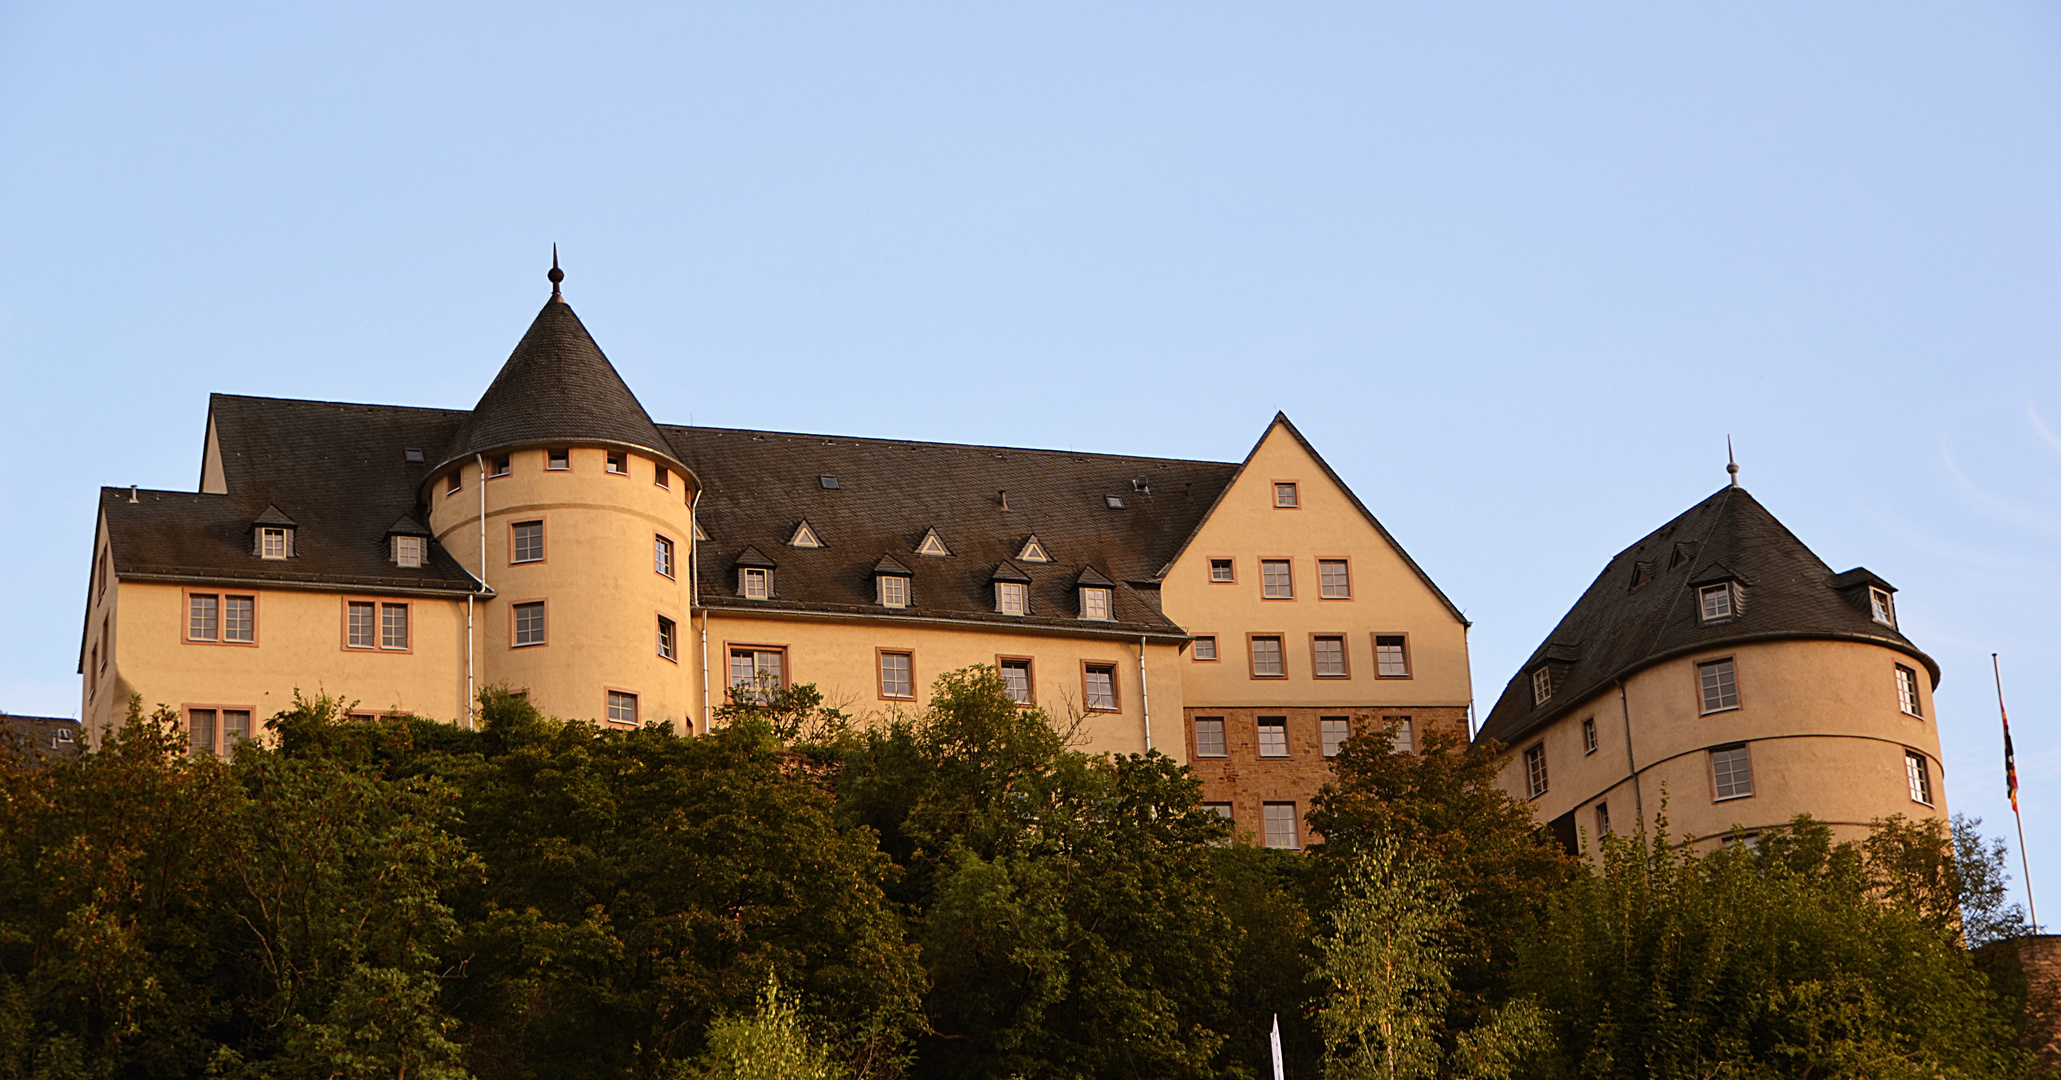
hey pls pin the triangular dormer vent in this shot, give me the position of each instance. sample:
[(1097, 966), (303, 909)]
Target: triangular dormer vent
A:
[(1033, 551), (700, 534), (804, 536), (932, 544)]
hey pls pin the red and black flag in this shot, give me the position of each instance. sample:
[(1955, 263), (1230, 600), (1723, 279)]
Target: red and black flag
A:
[(2010, 759)]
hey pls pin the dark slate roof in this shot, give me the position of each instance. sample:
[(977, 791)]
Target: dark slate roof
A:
[(1617, 628), (556, 387), (43, 737), (337, 471), (756, 484)]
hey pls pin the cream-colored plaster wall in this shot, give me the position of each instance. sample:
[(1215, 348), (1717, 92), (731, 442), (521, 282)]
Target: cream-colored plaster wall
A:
[(102, 702), (841, 657), (1821, 721), (300, 646), (1387, 596), (602, 593)]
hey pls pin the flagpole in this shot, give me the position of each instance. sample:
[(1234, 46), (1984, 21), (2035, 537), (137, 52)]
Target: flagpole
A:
[(2011, 780)]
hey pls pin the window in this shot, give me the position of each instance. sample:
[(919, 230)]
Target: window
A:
[(1720, 686), (454, 483), (622, 707), (1535, 770), (235, 728), (1920, 777), (1033, 551), (106, 641), (497, 467), (1012, 597), (1221, 809), (1589, 735), (756, 672), (1336, 729), (1273, 736), (894, 590), (1731, 772), (360, 619), (1327, 656), (1392, 656), (1098, 687), (240, 619), (1114, 502), (754, 583), (1280, 822), (203, 617), (1095, 603), (410, 551), (1541, 686), (1907, 690), (393, 626), (526, 542), (1276, 582), (1881, 606), (272, 543), (662, 555), (1284, 495), (668, 639), (557, 460), (1602, 820), (1266, 656), (1402, 734), (529, 623), (933, 545), (1717, 602), (214, 617), (897, 675), (1222, 572), (200, 730), (805, 536), (618, 463), (1016, 678), (1334, 582), (1206, 647), (1209, 736), (663, 477)]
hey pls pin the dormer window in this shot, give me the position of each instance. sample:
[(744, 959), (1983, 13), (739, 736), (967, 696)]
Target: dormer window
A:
[(893, 589), (754, 583), (1094, 603), (274, 543), (1033, 551), (1541, 687), (805, 536), (1881, 606), (410, 551), (1715, 602), (1012, 597)]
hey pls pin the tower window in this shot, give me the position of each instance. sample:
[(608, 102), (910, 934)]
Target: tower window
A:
[(454, 483), (526, 542), (1720, 686), (1907, 690), (618, 463), (529, 623), (1731, 770), (622, 707), (1881, 606), (1717, 601), (1535, 769), (1589, 735), (668, 639), (558, 460), (662, 554), (1285, 495), (1209, 736), (1273, 736), (663, 477), (497, 467), (1222, 571), (1916, 771)]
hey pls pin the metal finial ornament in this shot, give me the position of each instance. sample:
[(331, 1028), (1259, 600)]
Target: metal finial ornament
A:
[(1731, 463), (556, 275)]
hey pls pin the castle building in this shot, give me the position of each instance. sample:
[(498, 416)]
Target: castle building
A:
[(1240, 617), (1720, 665)]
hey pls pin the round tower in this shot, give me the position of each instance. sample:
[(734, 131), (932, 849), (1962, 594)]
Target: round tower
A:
[(570, 504)]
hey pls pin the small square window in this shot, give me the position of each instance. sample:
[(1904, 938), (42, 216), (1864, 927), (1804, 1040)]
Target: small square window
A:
[(1907, 690), (754, 583), (1920, 776), (618, 463), (1588, 735), (529, 623), (1277, 582), (558, 460), (1327, 655), (454, 483), (1280, 822), (527, 540), (897, 675), (1716, 601), (1012, 597), (668, 639), (1535, 770), (662, 554), (894, 590), (412, 456), (1541, 687), (1720, 686), (393, 626), (497, 467), (1220, 809), (1392, 656), (1402, 734), (1095, 603), (1284, 495), (1016, 679), (1209, 736), (1098, 685), (663, 477), (1333, 580), (1273, 736), (1336, 729), (410, 551), (1731, 771), (1882, 607), (622, 708), (1266, 656), (1206, 648), (1222, 571)]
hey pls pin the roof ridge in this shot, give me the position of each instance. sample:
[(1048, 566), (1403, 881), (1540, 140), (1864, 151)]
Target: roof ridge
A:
[(933, 443)]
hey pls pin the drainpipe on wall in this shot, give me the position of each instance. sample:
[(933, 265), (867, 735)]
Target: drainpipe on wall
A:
[(1144, 695), (472, 690), (1631, 763)]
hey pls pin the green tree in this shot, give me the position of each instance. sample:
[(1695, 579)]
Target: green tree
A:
[(771, 1043)]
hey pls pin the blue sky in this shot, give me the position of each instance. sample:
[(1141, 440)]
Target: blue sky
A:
[(1518, 272)]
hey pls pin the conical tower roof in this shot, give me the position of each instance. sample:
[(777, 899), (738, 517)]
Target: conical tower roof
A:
[(556, 387), (1644, 607)]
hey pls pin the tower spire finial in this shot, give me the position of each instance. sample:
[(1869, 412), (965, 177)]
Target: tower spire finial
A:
[(556, 275), (1731, 463)]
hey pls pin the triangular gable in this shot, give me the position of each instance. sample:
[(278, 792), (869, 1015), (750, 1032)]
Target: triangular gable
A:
[(804, 536), (1008, 572), (273, 516), (1281, 421), (752, 556), (889, 565), (1090, 577), (1033, 551), (408, 526), (932, 544)]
